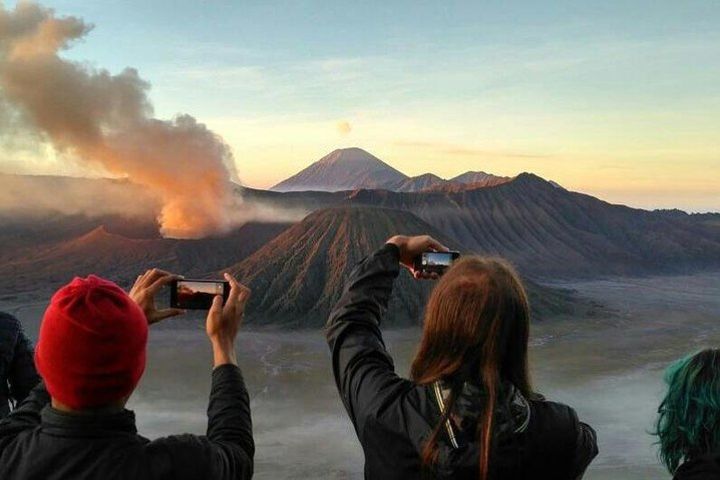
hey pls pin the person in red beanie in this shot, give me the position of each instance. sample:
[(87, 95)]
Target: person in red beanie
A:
[(91, 355)]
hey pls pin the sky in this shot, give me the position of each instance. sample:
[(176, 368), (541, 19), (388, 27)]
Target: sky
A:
[(617, 99)]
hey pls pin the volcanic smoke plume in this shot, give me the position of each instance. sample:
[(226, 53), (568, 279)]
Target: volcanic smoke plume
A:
[(107, 119)]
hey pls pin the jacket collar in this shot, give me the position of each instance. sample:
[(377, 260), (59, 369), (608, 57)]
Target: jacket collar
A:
[(95, 425), (512, 410)]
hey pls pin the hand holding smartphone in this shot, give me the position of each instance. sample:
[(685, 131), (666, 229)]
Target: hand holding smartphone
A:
[(197, 294)]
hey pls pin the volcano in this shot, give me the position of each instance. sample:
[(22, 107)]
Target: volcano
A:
[(298, 277), (343, 169)]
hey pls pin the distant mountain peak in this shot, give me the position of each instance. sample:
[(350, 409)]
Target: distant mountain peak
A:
[(477, 179), (343, 169), (349, 154), (527, 178), (353, 168), (99, 233)]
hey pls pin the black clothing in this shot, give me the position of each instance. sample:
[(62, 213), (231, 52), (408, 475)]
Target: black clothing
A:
[(393, 416), (39, 442), (705, 467), (17, 366)]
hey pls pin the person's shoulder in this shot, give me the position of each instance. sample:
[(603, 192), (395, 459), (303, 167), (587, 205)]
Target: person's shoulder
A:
[(556, 413), (402, 400), (706, 467), (9, 322), (10, 330)]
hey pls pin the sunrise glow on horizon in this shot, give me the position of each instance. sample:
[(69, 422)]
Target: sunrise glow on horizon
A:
[(615, 100)]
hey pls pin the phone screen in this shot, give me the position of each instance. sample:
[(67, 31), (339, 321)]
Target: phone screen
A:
[(197, 294), (437, 259), (435, 262)]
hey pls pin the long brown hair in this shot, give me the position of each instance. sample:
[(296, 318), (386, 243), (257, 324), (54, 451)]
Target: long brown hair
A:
[(476, 328)]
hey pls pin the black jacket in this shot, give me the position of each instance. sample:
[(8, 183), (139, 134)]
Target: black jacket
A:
[(17, 367), (705, 467), (38, 442), (394, 416)]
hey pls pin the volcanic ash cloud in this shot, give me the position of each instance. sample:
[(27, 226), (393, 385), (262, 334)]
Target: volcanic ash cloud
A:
[(107, 119)]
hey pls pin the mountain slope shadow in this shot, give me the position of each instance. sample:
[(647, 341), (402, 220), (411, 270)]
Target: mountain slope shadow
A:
[(297, 278), (44, 268)]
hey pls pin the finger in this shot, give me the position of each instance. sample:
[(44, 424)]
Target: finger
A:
[(135, 285), (216, 307), (141, 279), (162, 281), (417, 274), (169, 312), (435, 245), (245, 293), (154, 274), (234, 284), (235, 289)]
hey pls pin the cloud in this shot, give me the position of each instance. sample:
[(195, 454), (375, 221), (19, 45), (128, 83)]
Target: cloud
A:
[(106, 120), (344, 127), (29, 195)]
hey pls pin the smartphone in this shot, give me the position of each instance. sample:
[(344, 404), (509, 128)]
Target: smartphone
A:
[(435, 262), (197, 294)]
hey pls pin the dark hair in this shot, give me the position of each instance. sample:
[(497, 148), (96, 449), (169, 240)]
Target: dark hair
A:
[(476, 327), (688, 423)]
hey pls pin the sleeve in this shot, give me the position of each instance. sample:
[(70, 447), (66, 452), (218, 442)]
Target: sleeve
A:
[(586, 448), (27, 414), (227, 451), (230, 424), (22, 376), (364, 371)]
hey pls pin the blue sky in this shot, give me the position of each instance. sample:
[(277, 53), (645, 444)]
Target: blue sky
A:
[(619, 99)]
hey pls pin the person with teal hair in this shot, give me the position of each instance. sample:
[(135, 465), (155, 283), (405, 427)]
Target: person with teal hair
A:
[(688, 423)]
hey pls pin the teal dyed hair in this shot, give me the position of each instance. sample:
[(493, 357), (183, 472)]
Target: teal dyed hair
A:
[(688, 423)]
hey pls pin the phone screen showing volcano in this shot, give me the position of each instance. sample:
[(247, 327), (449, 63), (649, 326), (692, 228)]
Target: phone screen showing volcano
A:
[(197, 294), (436, 262)]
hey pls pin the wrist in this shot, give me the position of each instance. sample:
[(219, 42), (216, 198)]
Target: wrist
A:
[(223, 352)]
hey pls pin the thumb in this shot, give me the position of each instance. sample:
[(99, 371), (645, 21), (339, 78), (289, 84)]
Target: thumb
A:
[(216, 307), (214, 315)]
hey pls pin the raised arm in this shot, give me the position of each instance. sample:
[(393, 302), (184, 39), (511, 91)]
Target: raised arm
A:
[(229, 422), (364, 371), (226, 452)]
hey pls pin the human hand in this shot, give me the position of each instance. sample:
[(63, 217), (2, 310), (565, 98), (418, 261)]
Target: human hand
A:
[(411, 247), (223, 321), (145, 289)]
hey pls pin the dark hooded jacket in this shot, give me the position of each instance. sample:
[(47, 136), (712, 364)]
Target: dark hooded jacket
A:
[(704, 467), (393, 417), (38, 442), (17, 367)]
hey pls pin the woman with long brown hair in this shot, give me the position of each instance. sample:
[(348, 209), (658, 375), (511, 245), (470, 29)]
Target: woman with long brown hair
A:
[(468, 410)]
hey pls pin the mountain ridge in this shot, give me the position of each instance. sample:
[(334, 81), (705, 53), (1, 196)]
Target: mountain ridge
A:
[(549, 232), (353, 168), (342, 169), (298, 277)]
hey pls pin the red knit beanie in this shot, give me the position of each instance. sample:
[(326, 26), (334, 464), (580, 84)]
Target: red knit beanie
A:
[(91, 349)]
